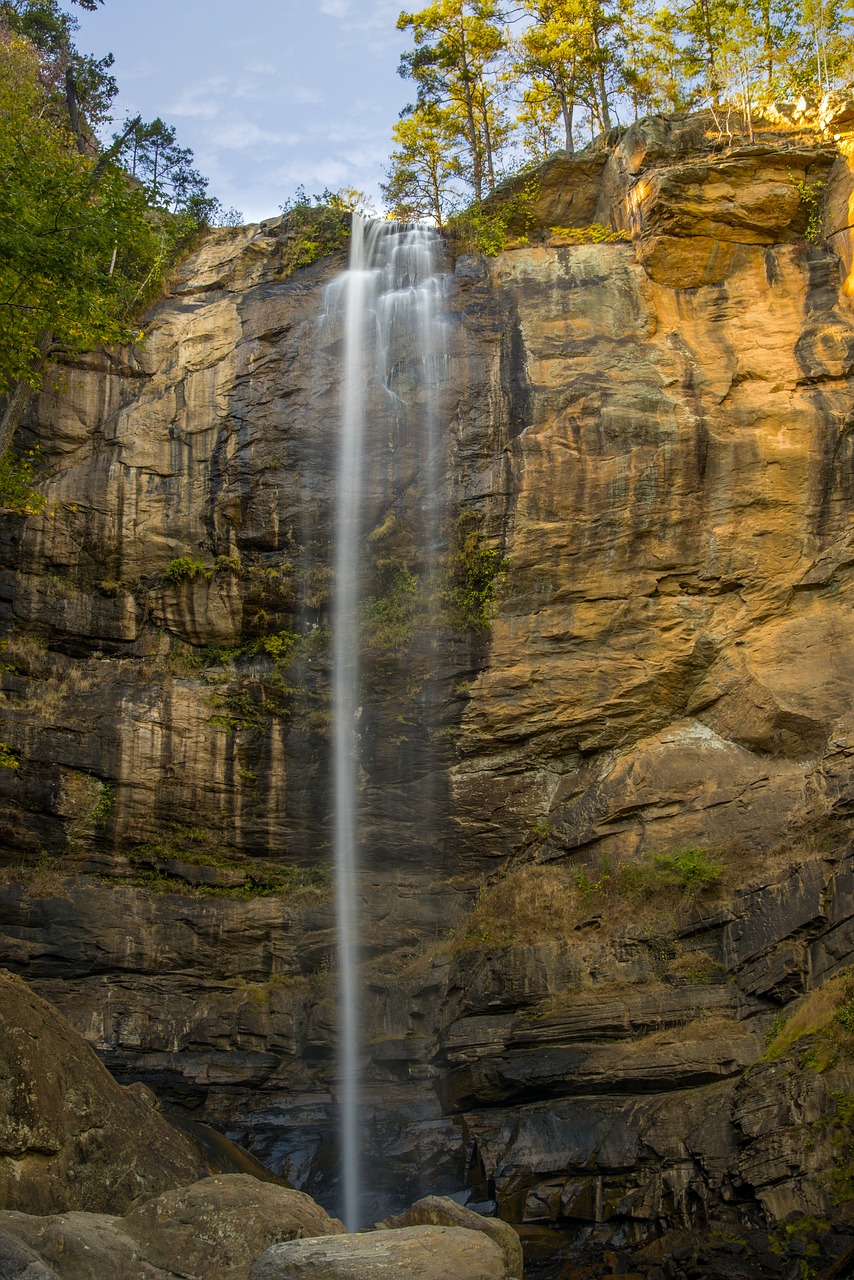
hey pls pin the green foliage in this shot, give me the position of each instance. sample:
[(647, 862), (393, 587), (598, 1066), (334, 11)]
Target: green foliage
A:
[(689, 872), (594, 233), (8, 759), (800, 1239), (686, 874), (811, 199), (185, 569), (281, 646), (510, 213), (18, 492), (423, 168), (458, 44), (317, 226), (83, 246), (824, 1018), (387, 618), (840, 1124), (572, 67), (189, 846), (475, 573), (228, 564), (103, 807)]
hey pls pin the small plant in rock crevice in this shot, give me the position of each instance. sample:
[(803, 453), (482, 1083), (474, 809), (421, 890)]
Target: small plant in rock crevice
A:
[(186, 569), (475, 573), (811, 199)]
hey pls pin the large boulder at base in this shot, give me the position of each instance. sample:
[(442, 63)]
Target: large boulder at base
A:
[(232, 1218), (212, 1230), (71, 1137), (430, 1253), (439, 1211)]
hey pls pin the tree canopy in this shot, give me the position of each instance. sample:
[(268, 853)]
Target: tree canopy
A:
[(84, 237), (499, 85)]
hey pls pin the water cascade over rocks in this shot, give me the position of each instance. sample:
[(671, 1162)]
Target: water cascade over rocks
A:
[(389, 305)]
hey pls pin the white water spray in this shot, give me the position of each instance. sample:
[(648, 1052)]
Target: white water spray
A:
[(391, 302)]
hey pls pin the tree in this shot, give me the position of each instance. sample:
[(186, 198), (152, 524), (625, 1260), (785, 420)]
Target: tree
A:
[(657, 72), (81, 249), (566, 54), (425, 165), (84, 84), (455, 67)]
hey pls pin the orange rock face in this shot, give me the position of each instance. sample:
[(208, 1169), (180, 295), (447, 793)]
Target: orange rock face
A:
[(672, 661)]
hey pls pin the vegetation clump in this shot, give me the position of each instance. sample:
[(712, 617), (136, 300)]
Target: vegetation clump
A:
[(86, 234), (826, 1017), (547, 900), (316, 226), (387, 617), (186, 569), (594, 233), (18, 486), (168, 862), (475, 573)]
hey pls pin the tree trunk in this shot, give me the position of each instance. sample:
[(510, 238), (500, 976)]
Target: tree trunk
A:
[(474, 142), (714, 86), (74, 112), (604, 110), (566, 108)]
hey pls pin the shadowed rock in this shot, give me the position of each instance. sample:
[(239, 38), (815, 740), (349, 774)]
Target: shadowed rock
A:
[(70, 1136), (214, 1228)]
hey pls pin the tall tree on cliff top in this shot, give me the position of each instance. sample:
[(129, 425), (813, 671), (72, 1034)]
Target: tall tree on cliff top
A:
[(84, 83), (82, 247), (567, 51), (74, 234), (425, 166), (455, 67)]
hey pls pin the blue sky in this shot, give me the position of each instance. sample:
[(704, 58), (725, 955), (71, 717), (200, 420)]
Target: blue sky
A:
[(268, 93)]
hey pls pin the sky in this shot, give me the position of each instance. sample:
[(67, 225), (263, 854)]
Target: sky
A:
[(269, 94)]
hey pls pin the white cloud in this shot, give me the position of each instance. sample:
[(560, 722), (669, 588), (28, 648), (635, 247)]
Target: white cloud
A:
[(242, 135), (201, 101)]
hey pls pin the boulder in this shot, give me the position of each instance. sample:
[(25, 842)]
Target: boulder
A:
[(70, 1136), (213, 1229), (442, 1212), (428, 1252)]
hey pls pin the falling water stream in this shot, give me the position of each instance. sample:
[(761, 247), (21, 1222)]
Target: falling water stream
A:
[(390, 303)]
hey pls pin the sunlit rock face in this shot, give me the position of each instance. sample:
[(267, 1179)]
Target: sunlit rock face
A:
[(656, 435)]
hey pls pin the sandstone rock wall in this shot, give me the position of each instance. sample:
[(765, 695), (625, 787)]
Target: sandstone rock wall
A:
[(656, 434)]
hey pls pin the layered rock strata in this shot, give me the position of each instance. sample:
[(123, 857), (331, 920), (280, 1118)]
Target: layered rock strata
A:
[(656, 435)]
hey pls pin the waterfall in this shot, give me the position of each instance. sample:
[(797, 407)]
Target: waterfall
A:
[(390, 304)]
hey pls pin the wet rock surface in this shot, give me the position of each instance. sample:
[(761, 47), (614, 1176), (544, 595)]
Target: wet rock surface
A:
[(656, 435)]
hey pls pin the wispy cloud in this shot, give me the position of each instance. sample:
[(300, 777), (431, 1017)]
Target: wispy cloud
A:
[(242, 135), (202, 101)]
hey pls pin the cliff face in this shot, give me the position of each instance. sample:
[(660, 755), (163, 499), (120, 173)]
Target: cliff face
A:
[(656, 433)]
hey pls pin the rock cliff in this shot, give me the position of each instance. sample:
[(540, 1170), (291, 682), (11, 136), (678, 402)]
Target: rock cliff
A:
[(655, 433)]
